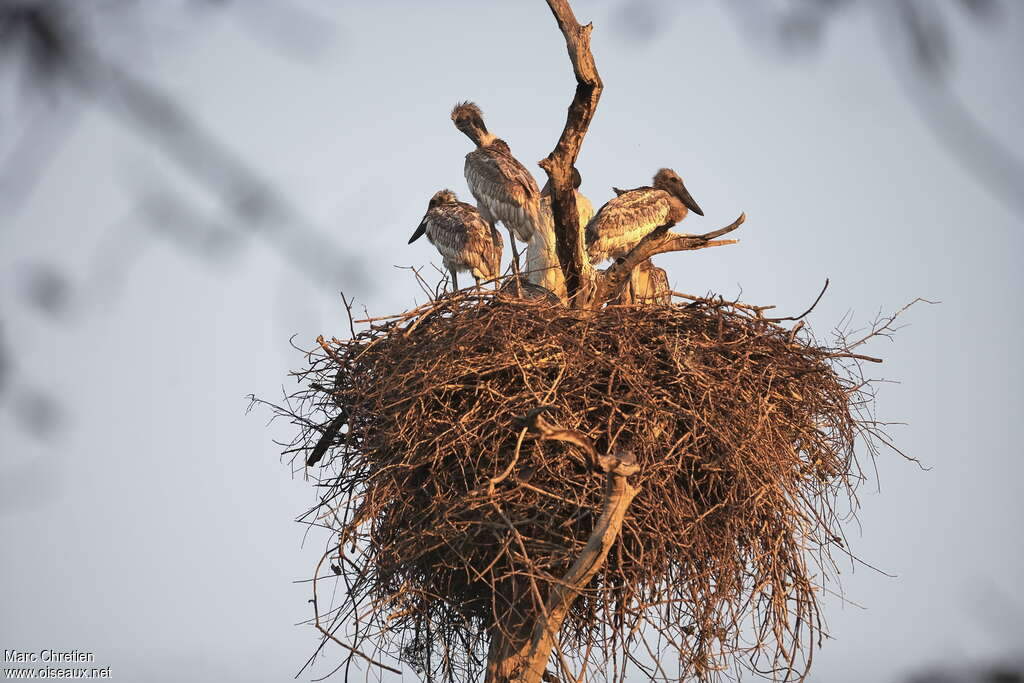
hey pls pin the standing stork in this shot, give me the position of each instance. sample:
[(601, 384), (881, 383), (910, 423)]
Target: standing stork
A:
[(627, 218), (504, 190), (464, 239), (583, 205), (649, 284), (542, 265)]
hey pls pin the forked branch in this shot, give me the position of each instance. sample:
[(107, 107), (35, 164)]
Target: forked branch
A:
[(658, 241), (619, 493), (569, 242)]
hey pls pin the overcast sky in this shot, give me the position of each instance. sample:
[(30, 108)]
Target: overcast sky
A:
[(154, 528)]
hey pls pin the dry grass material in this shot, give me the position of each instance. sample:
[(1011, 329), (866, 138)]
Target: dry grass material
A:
[(450, 520)]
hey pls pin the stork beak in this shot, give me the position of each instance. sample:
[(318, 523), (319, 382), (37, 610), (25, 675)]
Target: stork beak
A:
[(688, 201), (420, 230)]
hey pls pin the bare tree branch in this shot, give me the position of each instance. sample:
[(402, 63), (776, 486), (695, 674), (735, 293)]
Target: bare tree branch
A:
[(658, 241), (570, 245)]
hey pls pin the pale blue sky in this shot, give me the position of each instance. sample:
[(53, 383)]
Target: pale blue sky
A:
[(156, 528)]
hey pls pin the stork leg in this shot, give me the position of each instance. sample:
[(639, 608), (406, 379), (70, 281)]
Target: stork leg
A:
[(515, 262), (455, 280), (515, 252)]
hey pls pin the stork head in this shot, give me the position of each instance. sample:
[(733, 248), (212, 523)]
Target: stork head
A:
[(470, 120), (668, 180), (577, 180), (442, 197)]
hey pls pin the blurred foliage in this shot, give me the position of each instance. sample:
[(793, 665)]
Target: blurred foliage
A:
[(991, 673), (59, 56)]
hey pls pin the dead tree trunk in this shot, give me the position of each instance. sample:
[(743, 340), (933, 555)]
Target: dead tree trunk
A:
[(564, 238), (510, 640), (520, 648), (569, 241)]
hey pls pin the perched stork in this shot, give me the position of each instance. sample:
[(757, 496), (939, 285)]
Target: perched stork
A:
[(526, 289), (649, 284), (626, 219), (504, 190), (542, 266), (583, 205), (464, 239)]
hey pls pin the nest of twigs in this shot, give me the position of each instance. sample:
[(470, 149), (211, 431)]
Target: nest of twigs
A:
[(449, 516)]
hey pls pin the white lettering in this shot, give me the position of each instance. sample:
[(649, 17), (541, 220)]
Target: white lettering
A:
[(17, 656)]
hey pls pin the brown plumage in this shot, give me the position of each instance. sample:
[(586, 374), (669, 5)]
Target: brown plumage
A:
[(529, 290), (649, 284), (504, 190), (542, 265), (583, 205), (463, 238), (627, 218)]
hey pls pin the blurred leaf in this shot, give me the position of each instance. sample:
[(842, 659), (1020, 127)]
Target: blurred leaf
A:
[(38, 413), (927, 36), (46, 289), (172, 218), (40, 33), (984, 10), (801, 30), (640, 21)]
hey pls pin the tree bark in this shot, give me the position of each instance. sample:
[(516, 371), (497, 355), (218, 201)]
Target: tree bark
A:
[(619, 494), (570, 245), (658, 241), (510, 641), (519, 650)]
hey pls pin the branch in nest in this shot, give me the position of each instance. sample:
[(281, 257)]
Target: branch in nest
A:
[(323, 444), (618, 496), (569, 242), (658, 241), (547, 432)]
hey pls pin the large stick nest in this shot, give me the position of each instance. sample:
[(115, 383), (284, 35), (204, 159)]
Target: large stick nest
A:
[(450, 516)]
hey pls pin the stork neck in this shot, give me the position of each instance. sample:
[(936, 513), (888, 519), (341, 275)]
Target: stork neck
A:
[(482, 138), (679, 209)]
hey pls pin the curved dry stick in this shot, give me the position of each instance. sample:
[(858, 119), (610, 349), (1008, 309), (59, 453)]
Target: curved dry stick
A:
[(805, 313), (328, 634)]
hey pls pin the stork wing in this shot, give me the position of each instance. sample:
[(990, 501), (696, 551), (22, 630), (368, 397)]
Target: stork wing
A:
[(625, 220), (446, 230), (583, 207), (483, 249), (496, 176), (464, 239)]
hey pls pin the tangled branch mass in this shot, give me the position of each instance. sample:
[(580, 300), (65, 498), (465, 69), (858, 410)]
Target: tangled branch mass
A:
[(452, 521)]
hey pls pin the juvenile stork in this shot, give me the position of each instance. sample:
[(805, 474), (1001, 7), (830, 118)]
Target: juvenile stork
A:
[(504, 190), (626, 219), (583, 205), (649, 284), (542, 266), (464, 239)]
